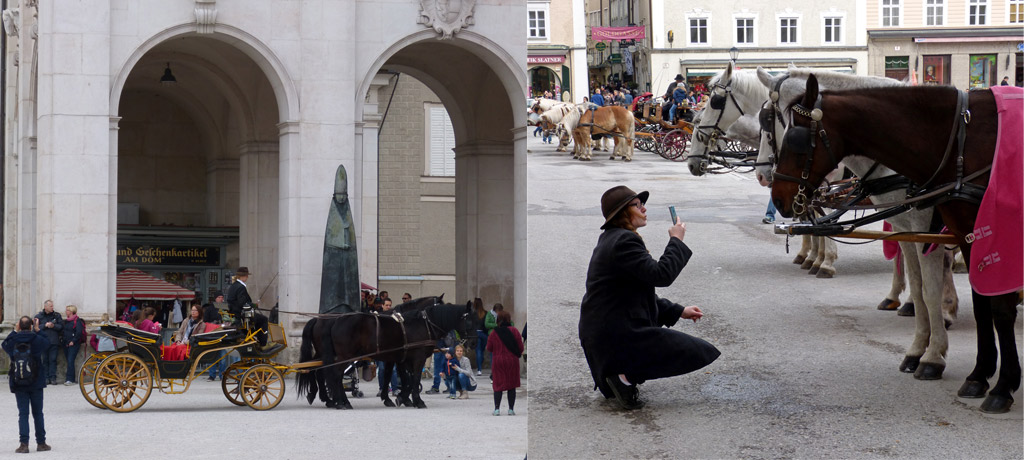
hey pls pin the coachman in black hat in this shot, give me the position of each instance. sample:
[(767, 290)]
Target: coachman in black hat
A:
[(238, 297), (624, 326)]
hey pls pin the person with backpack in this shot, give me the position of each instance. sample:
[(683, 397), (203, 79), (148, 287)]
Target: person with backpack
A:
[(50, 325), (74, 337), (27, 379)]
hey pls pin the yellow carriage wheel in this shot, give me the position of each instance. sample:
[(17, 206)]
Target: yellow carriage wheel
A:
[(229, 383), (87, 375), (123, 382), (262, 387)]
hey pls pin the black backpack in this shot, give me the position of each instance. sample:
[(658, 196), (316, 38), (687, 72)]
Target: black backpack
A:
[(24, 366)]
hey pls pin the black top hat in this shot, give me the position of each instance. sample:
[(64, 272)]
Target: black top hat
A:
[(242, 271), (679, 77), (617, 198)]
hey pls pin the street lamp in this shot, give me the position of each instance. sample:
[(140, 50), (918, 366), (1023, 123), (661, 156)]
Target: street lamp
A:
[(733, 53)]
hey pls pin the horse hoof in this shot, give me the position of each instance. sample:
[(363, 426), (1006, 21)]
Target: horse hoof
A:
[(799, 260), (825, 274), (910, 364), (628, 160), (972, 389), (906, 310), (388, 403), (611, 157), (948, 323), (889, 305), (808, 263), (331, 404), (813, 270), (421, 405), (997, 404), (929, 371)]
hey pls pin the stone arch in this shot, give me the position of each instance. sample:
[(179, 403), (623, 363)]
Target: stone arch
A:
[(284, 87)]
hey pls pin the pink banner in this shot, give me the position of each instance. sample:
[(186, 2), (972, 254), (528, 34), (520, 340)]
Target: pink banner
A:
[(617, 33)]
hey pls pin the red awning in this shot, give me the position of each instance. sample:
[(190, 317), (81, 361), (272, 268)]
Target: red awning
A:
[(617, 33), (134, 283), (366, 287)]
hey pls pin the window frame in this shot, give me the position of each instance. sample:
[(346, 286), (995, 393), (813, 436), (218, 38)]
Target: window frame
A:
[(841, 16), (707, 29), (1009, 12), (943, 18), (796, 26), (986, 4), (753, 29), (899, 13), (545, 9), (428, 143)]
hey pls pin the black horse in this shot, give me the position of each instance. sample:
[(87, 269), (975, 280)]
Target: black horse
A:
[(404, 337)]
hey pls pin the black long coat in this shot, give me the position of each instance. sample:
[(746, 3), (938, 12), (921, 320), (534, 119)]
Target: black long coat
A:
[(623, 324)]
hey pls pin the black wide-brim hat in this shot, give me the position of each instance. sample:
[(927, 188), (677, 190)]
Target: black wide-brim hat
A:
[(617, 198)]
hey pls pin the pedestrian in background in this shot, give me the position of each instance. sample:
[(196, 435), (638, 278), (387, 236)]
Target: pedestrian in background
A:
[(506, 346), (27, 379), (74, 337), (624, 326), (481, 315), (50, 324)]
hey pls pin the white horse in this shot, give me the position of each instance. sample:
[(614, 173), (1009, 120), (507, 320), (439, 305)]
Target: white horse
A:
[(553, 117), (930, 276), (735, 94), (541, 105)]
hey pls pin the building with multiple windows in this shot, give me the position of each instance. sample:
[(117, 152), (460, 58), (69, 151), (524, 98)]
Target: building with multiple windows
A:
[(556, 48), (965, 43), (625, 60), (694, 38)]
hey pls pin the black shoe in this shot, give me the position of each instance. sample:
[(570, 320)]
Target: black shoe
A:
[(626, 395), (42, 447)]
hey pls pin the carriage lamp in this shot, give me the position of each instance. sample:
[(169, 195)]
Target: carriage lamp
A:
[(168, 78), (734, 52)]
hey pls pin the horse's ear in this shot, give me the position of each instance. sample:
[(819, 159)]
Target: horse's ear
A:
[(811, 95), (764, 76), (727, 75)]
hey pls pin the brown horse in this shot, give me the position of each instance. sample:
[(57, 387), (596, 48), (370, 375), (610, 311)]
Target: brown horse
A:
[(908, 129), (613, 120)]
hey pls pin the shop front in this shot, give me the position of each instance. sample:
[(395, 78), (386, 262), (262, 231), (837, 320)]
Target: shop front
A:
[(548, 70), (965, 58)]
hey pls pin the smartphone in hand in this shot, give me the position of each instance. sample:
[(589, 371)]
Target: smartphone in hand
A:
[(672, 211)]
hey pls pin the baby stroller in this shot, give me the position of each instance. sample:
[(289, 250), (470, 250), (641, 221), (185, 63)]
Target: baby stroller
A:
[(364, 368)]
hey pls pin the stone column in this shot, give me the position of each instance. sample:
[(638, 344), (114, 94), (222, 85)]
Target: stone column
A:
[(292, 279), (73, 219), (365, 211), (485, 223), (258, 203)]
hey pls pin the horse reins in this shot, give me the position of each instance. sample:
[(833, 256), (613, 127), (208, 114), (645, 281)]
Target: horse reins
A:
[(717, 102)]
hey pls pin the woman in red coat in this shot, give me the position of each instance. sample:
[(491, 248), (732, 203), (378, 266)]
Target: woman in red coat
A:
[(506, 345)]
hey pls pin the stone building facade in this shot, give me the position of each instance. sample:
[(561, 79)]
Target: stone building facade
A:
[(237, 150)]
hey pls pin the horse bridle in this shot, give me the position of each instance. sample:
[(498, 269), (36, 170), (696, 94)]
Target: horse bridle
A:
[(717, 102), (802, 140), (767, 117)]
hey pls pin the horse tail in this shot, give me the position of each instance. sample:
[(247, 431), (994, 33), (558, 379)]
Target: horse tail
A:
[(306, 381)]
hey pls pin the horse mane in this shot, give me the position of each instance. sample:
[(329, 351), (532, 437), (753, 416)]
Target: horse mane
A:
[(743, 81), (839, 81)]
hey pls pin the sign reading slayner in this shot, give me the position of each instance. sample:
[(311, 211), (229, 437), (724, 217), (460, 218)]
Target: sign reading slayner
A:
[(617, 33), (545, 59), (164, 255)]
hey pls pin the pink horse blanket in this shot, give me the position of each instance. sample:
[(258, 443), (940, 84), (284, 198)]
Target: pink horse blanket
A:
[(997, 253)]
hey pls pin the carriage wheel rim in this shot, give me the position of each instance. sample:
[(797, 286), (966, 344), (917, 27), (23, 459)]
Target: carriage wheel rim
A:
[(262, 387), (230, 384), (123, 382), (87, 379)]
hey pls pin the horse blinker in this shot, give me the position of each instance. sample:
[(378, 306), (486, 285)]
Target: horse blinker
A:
[(798, 140), (717, 102)]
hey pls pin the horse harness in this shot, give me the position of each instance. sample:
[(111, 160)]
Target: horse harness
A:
[(803, 141), (717, 102), (590, 126)]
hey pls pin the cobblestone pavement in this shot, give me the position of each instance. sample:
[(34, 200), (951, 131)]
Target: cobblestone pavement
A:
[(201, 423), (809, 367)]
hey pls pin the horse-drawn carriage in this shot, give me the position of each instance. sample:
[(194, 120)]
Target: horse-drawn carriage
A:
[(122, 380), (656, 135)]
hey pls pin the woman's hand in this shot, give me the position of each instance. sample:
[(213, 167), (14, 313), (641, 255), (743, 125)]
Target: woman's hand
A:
[(678, 230), (692, 312)]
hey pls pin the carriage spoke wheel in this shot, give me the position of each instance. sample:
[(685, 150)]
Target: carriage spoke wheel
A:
[(123, 382), (86, 377), (262, 387), (675, 144), (229, 383)]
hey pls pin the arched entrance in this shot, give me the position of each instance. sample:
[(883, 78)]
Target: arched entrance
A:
[(486, 246), (544, 79), (198, 153)]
